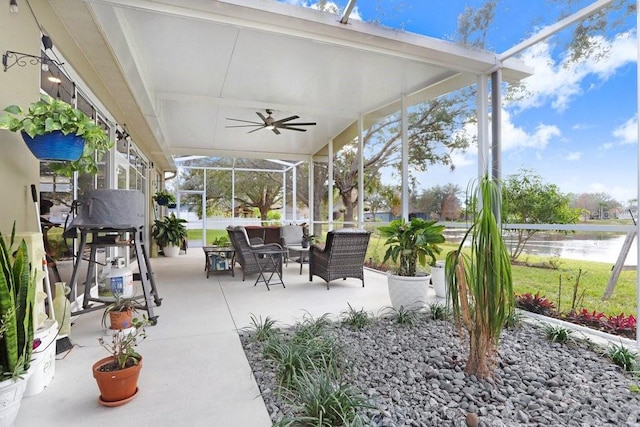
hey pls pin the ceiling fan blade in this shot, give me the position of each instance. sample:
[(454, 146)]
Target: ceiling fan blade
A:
[(245, 121), (264, 119), (261, 127), (245, 126), (285, 120), (296, 124), (299, 130), (276, 131)]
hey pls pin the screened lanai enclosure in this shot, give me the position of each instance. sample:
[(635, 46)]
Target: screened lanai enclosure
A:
[(214, 192)]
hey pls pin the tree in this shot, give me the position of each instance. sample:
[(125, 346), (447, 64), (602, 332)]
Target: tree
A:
[(434, 133), (480, 284), (440, 202), (598, 205), (255, 189), (529, 200)]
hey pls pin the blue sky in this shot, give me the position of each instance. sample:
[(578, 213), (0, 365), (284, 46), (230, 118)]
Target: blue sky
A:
[(578, 126)]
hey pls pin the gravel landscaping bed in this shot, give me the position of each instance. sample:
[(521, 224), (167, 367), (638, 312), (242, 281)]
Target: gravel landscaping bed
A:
[(413, 375)]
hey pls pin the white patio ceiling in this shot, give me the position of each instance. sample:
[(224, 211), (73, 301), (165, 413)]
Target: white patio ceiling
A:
[(178, 68)]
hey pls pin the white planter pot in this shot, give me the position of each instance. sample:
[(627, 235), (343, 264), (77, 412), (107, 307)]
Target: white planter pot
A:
[(408, 292), (171, 250), (11, 393), (438, 280), (43, 365)]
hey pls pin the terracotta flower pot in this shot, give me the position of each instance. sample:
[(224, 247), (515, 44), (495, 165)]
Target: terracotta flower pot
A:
[(116, 387), (121, 319)]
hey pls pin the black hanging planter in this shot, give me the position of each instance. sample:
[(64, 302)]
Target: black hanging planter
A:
[(162, 201), (55, 146)]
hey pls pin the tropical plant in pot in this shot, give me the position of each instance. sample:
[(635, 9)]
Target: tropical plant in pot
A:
[(411, 244), (117, 375), (479, 280), (120, 313), (169, 232), (17, 299), (306, 237), (163, 198), (54, 130)]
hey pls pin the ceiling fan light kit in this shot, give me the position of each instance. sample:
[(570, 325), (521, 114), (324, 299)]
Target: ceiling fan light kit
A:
[(268, 122)]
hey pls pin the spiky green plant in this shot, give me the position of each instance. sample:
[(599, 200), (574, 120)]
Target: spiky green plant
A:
[(403, 316), (555, 333), (357, 319), (262, 329), (479, 281), (438, 311), (17, 299), (324, 401), (623, 357)]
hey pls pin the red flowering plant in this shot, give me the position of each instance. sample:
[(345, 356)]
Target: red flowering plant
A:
[(535, 303), (621, 325), (594, 319)]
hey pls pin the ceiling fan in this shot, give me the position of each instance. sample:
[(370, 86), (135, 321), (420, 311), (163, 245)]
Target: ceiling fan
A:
[(269, 122)]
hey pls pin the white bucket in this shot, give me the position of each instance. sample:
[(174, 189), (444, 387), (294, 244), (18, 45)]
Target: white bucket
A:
[(43, 365)]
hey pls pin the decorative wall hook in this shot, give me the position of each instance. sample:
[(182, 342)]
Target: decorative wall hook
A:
[(11, 58)]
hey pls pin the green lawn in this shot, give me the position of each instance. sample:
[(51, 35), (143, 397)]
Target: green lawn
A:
[(593, 280)]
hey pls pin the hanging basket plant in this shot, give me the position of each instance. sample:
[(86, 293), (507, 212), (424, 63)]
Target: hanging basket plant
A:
[(164, 198), (54, 130)]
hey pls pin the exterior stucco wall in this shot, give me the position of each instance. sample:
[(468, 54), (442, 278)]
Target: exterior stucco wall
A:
[(19, 85)]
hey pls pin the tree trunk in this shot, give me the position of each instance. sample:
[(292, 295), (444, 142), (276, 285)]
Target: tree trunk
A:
[(480, 356)]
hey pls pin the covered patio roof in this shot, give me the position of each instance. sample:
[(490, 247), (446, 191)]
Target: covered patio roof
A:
[(174, 71)]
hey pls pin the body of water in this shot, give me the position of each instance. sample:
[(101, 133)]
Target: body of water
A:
[(605, 248)]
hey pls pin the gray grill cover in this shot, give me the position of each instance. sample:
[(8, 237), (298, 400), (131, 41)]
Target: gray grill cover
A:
[(117, 209)]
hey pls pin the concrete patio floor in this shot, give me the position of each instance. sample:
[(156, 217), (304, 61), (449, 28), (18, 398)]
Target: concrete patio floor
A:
[(194, 371)]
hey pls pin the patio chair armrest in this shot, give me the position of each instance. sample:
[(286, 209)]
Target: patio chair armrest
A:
[(255, 241)]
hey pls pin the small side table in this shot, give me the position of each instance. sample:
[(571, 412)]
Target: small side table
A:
[(300, 252), (227, 254), (270, 261)]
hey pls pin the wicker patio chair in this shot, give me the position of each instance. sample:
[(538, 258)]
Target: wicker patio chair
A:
[(342, 257), (290, 235), (243, 247)]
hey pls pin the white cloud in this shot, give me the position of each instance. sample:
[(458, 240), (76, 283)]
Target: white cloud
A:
[(514, 137), (559, 82), (573, 156), (628, 132)]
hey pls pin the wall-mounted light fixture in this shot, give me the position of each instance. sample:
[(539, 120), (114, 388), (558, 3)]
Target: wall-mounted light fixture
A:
[(13, 6), (11, 58)]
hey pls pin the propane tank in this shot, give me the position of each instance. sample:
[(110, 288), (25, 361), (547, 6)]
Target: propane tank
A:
[(117, 279)]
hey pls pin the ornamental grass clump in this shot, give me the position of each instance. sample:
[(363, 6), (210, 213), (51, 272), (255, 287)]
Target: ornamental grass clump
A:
[(479, 281)]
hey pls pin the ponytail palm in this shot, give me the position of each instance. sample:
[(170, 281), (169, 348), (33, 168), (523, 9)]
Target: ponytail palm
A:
[(479, 281)]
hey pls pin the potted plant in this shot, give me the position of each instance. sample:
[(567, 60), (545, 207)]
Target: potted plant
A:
[(120, 313), (54, 130), (220, 241), (117, 375), (169, 232), (306, 237), (410, 244), (480, 284), (17, 300), (163, 198)]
